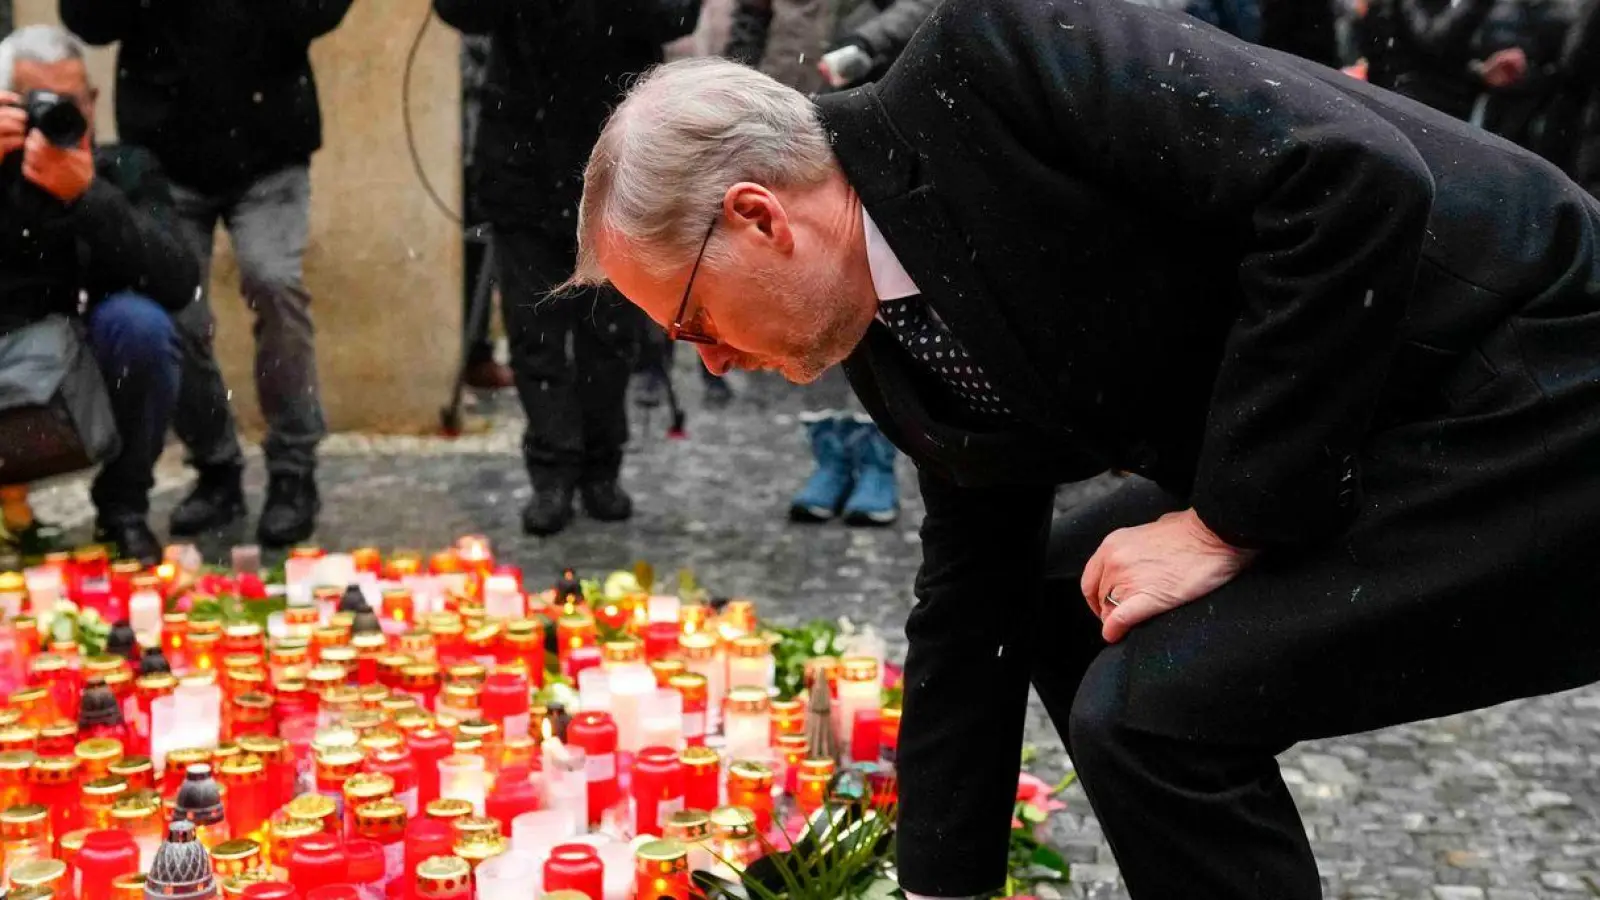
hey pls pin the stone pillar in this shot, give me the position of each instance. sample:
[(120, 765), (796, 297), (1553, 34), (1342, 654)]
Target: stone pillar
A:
[(383, 265)]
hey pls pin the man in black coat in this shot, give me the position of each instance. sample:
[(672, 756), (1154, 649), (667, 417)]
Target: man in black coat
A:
[(556, 67), (89, 233), (1346, 342), (223, 93)]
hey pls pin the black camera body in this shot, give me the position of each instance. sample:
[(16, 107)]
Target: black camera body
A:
[(57, 117)]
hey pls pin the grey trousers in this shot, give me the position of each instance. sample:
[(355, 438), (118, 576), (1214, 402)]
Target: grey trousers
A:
[(268, 222)]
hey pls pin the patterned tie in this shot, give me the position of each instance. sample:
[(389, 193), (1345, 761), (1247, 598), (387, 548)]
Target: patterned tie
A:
[(930, 343)]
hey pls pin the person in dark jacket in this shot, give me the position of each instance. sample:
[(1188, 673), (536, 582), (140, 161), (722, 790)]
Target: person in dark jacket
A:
[(1344, 341), (222, 92), (95, 222), (1306, 28), (1423, 50), (555, 70)]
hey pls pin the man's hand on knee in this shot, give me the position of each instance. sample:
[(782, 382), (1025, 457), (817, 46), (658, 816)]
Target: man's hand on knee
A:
[(1141, 572)]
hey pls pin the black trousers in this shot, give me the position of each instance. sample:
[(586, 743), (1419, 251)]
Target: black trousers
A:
[(1467, 579), (571, 356)]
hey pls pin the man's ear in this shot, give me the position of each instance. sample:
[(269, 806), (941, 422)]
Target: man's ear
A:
[(752, 208)]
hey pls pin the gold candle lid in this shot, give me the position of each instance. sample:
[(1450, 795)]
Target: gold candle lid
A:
[(382, 739), (788, 708), (130, 766), (362, 721), (858, 668), (748, 700), (478, 730), (61, 729), (12, 735), (487, 633), (288, 650), (188, 756), (128, 887), (752, 775), (336, 737), (206, 625), (236, 850), (32, 892), (156, 683), (368, 643), (247, 681), (700, 645), (415, 720), (794, 744), (467, 673), (342, 656), (311, 808), (205, 678), (17, 760), (225, 751), (236, 661), (447, 808), (72, 842), (463, 693), (325, 675), (103, 663), (38, 872), (445, 624), (699, 757), (266, 746), (373, 695), (331, 635), (286, 831), (235, 884), (340, 763), (243, 766), (443, 874), (479, 847), (243, 631), (623, 650), (367, 786), (10, 716), (54, 770), (662, 856), (379, 813), (520, 630), (733, 822), (395, 704), (751, 647), (467, 745), (27, 696), (136, 805), (666, 669), (24, 814), (48, 664), (468, 826), (689, 825), (109, 786), (254, 701), (118, 680), (420, 675)]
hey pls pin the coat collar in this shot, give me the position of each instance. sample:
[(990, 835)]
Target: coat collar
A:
[(888, 175)]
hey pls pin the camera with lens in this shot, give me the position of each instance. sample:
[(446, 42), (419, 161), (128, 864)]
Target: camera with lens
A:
[(56, 116)]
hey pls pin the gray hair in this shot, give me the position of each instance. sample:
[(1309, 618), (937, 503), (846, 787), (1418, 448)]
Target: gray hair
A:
[(45, 44), (684, 134)]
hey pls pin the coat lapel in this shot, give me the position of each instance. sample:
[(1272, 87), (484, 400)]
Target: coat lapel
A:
[(886, 173)]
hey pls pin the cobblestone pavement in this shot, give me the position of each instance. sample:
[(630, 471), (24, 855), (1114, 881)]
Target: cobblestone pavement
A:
[(1495, 805)]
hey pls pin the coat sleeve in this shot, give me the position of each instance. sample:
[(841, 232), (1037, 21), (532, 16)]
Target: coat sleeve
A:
[(888, 32), (134, 240), (1328, 200), (99, 22), (1580, 57), (1444, 36)]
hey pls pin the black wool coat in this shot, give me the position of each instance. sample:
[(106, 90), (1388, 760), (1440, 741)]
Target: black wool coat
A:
[(1213, 264)]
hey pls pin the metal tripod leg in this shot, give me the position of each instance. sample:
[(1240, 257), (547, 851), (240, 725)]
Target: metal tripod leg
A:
[(477, 317)]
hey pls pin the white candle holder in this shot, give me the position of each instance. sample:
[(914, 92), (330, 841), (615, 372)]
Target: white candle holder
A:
[(566, 783), (462, 776), (504, 877), (629, 685), (501, 598), (664, 608), (594, 690), (661, 719)]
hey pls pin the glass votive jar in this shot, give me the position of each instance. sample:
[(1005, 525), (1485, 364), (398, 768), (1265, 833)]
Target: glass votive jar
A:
[(138, 771), (480, 847), (460, 700), (750, 663), (59, 738), (245, 638), (735, 843), (96, 756), (249, 792), (139, 814), (811, 784), (750, 786), (250, 713), (462, 776), (177, 767), (203, 649), (363, 721), (692, 829), (421, 681), (702, 778), (747, 732), (55, 785), (661, 871), (283, 833), (287, 653), (448, 809), (788, 717), (234, 886), (316, 809), (99, 798), (236, 857), (25, 834), (128, 887), (48, 874), (344, 657), (443, 878), (334, 768), (373, 695), (363, 788), (14, 783), (19, 738)]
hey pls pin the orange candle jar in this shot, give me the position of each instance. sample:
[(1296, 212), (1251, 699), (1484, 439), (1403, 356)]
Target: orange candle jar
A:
[(812, 784), (25, 834), (367, 560), (398, 606), (231, 859), (694, 688), (791, 752), (421, 681), (418, 643), (14, 782), (245, 637), (36, 704), (138, 771), (287, 653), (390, 666), (203, 649), (788, 717), (524, 643), (250, 713), (284, 834), (300, 620), (55, 784), (661, 871), (665, 669), (572, 633), (621, 652), (99, 797), (58, 738), (404, 563), (19, 739), (328, 636), (174, 637), (750, 786), (315, 809)]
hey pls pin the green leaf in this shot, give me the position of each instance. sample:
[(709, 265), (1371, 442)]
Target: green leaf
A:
[(1049, 859), (1031, 814), (1029, 754)]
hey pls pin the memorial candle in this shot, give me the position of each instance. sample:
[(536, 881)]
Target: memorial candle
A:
[(860, 688), (702, 782), (812, 784), (750, 786), (748, 732), (692, 687), (791, 752), (661, 871), (573, 632), (575, 867), (596, 733), (699, 652), (750, 663), (692, 828), (658, 785)]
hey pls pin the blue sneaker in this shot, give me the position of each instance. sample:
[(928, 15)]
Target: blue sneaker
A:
[(875, 499), (824, 492)]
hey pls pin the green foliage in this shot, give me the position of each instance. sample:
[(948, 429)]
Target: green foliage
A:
[(846, 851), (231, 610), (796, 645), (1029, 863)]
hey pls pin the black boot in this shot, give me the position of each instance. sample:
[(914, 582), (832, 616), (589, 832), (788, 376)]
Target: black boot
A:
[(550, 510), (290, 513), (131, 537), (216, 501), (607, 501)]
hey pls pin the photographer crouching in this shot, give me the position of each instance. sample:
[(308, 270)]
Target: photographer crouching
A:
[(87, 236)]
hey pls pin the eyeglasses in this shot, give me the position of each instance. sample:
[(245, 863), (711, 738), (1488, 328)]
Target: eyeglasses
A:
[(691, 332)]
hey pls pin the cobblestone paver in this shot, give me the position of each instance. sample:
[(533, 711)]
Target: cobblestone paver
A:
[(1495, 805)]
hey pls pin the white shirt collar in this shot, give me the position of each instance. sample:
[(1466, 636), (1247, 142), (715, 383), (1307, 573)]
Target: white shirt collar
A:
[(890, 280)]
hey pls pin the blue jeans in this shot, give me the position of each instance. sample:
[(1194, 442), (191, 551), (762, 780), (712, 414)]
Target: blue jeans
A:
[(136, 345)]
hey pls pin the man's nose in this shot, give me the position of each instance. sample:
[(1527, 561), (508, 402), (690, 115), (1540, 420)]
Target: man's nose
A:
[(718, 359)]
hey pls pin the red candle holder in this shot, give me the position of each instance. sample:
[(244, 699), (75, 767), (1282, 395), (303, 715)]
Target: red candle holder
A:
[(702, 770), (575, 867), (596, 734), (658, 785), (661, 871)]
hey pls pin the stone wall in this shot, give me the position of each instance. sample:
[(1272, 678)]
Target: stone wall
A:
[(384, 265)]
